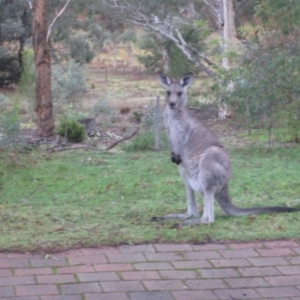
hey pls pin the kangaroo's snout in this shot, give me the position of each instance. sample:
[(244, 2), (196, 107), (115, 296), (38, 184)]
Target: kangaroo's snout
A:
[(172, 105)]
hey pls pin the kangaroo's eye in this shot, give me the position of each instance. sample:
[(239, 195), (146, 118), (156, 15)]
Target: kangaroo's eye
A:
[(168, 93), (179, 94)]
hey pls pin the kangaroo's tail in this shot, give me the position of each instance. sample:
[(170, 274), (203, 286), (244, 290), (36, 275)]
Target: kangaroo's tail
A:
[(224, 201)]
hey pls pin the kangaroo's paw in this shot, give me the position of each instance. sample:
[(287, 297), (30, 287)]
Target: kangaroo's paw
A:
[(196, 221), (174, 216), (175, 158)]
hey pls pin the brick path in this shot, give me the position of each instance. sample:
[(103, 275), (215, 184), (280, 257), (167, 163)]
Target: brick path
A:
[(266, 270)]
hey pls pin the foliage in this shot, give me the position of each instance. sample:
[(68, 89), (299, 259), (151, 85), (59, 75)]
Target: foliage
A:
[(28, 71), (267, 92), (164, 55), (91, 199), (81, 50), (15, 27), (9, 128), (145, 142), (68, 85), (72, 130)]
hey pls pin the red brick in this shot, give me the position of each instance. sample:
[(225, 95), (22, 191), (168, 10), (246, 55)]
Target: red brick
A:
[(245, 245), (179, 274), (172, 247), (268, 261), (5, 273), (276, 252), (6, 263), (297, 250), (197, 264), (22, 255), (258, 271), (153, 266), (198, 255), (97, 251), (76, 252), (101, 276), (122, 286), (294, 260), (289, 270), (164, 285), (126, 257), (170, 256), (33, 271), (113, 267), (34, 290), (194, 295), (55, 278), (246, 282), (6, 291), (87, 260), (205, 284), (151, 295), (17, 280), (281, 244), (140, 275), (137, 249), (42, 262), (237, 294), (106, 296), (243, 253), (284, 280), (221, 263), (219, 273), (205, 247), (80, 288), (62, 297), (273, 292), (23, 298), (75, 269)]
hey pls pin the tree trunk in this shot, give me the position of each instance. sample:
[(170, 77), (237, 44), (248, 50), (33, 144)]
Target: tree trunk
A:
[(228, 33), (46, 127)]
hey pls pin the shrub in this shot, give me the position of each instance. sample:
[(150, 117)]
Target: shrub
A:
[(144, 142), (72, 130)]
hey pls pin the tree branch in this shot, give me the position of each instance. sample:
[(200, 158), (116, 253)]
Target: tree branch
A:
[(55, 19), (30, 4), (165, 29)]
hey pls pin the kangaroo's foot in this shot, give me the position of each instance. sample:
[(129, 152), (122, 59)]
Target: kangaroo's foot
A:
[(175, 216)]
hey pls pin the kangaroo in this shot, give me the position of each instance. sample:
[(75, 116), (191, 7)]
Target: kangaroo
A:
[(203, 163)]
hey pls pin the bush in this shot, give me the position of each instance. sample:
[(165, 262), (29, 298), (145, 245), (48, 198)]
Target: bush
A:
[(68, 85), (9, 128), (28, 71), (72, 130), (145, 142)]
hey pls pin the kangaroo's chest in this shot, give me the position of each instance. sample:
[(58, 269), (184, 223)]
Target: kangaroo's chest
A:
[(176, 128)]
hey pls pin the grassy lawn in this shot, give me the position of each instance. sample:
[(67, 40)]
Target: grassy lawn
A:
[(66, 200)]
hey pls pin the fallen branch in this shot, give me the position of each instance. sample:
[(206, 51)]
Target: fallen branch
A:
[(122, 140), (73, 147)]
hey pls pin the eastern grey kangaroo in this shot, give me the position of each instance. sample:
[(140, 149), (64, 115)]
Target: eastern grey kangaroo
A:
[(202, 161)]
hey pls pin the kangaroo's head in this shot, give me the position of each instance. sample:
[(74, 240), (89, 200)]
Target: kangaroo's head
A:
[(176, 96)]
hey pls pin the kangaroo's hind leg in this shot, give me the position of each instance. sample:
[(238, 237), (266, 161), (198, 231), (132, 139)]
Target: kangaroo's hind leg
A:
[(208, 212), (192, 209)]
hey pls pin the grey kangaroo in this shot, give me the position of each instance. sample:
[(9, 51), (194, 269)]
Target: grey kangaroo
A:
[(203, 163)]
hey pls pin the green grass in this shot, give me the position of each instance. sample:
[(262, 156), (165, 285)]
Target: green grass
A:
[(87, 199)]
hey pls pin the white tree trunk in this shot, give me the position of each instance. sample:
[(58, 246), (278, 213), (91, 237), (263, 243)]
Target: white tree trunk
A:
[(228, 35)]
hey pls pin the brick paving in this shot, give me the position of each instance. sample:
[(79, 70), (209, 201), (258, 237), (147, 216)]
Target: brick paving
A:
[(264, 270)]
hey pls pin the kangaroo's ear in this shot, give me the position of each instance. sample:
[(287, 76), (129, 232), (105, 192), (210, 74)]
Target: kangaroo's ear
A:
[(186, 79), (164, 79)]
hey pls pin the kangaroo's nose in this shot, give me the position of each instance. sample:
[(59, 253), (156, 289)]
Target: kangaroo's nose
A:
[(172, 104)]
